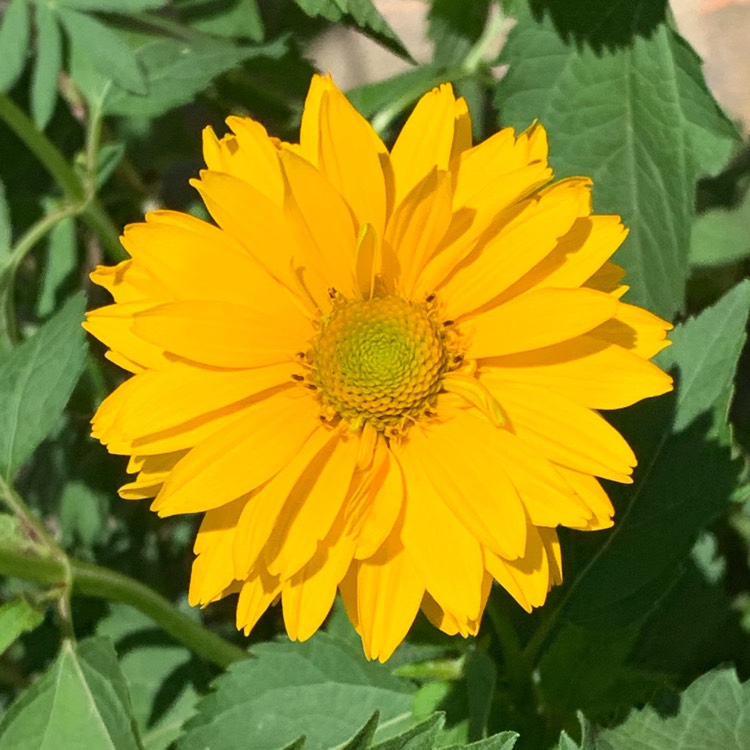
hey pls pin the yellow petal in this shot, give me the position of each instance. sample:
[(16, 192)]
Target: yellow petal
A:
[(222, 334), (586, 370), (426, 140), (446, 555), (256, 159), (212, 568), (537, 319), (562, 431), (258, 521), (113, 326), (382, 504), (311, 507), (160, 400), (308, 597), (418, 224), (516, 246), (309, 136), (470, 482), (256, 596), (350, 157), (204, 263), (591, 493), (129, 282), (526, 579), (368, 262), (152, 474), (635, 329), (554, 556), (389, 594), (239, 458)]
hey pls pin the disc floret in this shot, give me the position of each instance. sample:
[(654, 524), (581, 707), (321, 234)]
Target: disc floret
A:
[(379, 361)]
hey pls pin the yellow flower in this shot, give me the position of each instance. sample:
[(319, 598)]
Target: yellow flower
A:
[(380, 373)]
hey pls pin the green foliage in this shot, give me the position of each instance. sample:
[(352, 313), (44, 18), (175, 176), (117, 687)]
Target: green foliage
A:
[(82, 701), (640, 118), (36, 380), (101, 110), (714, 712)]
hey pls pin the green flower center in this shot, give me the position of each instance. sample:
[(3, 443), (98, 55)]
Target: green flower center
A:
[(379, 360)]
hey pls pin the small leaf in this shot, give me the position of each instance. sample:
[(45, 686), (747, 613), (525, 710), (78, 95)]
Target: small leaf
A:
[(363, 14), (721, 235), (47, 67), (287, 691), (233, 19), (36, 380), (107, 6), (420, 737), (16, 618), (15, 33), (83, 515), (81, 702), (59, 266), (110, 155), (106, 50), (502, 741), (454, 27)]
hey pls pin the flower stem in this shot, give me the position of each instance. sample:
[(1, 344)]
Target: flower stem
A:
[(94, 580), (91, 209)]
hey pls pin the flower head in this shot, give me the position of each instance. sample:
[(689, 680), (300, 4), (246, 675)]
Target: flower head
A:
[(380, 372)]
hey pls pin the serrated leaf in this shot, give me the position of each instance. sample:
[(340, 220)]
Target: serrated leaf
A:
[(721, 235), (361, 741), (16, 617), (420, 737), (15, 32), (363, 14), (502, 741), (603, 24), (106, 50), (36, 380), (159, 674), (287, 691), (232, 19), (81, 702), (714, 713), (47, 66), (176, 70), (684, 479), (641, 122)]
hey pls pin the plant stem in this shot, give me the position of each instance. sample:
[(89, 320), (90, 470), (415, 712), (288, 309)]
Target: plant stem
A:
[(91, 209), (94, 580)]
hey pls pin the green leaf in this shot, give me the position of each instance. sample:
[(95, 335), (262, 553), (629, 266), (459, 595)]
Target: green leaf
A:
[(176, 70), (36, 380), (641, 122), (47, 67), (481, 683), (107, 6), (454, 27), (15, 33), (287, 691), (59, 265), (420, 737), (361, 13), (158, 672), (502, 741), (83, 515), (106, 50), (714, 713), (6, 231), (81, 702), (601, 24), (16, 618), (110, 155), (721, 235), (226, 18), (684, 479)]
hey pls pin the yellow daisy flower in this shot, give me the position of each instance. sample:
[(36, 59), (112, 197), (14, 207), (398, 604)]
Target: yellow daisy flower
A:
[(380, 373)]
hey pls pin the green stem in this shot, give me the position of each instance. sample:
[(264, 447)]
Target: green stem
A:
[(94, 580), (91, 209), (518, 675)]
